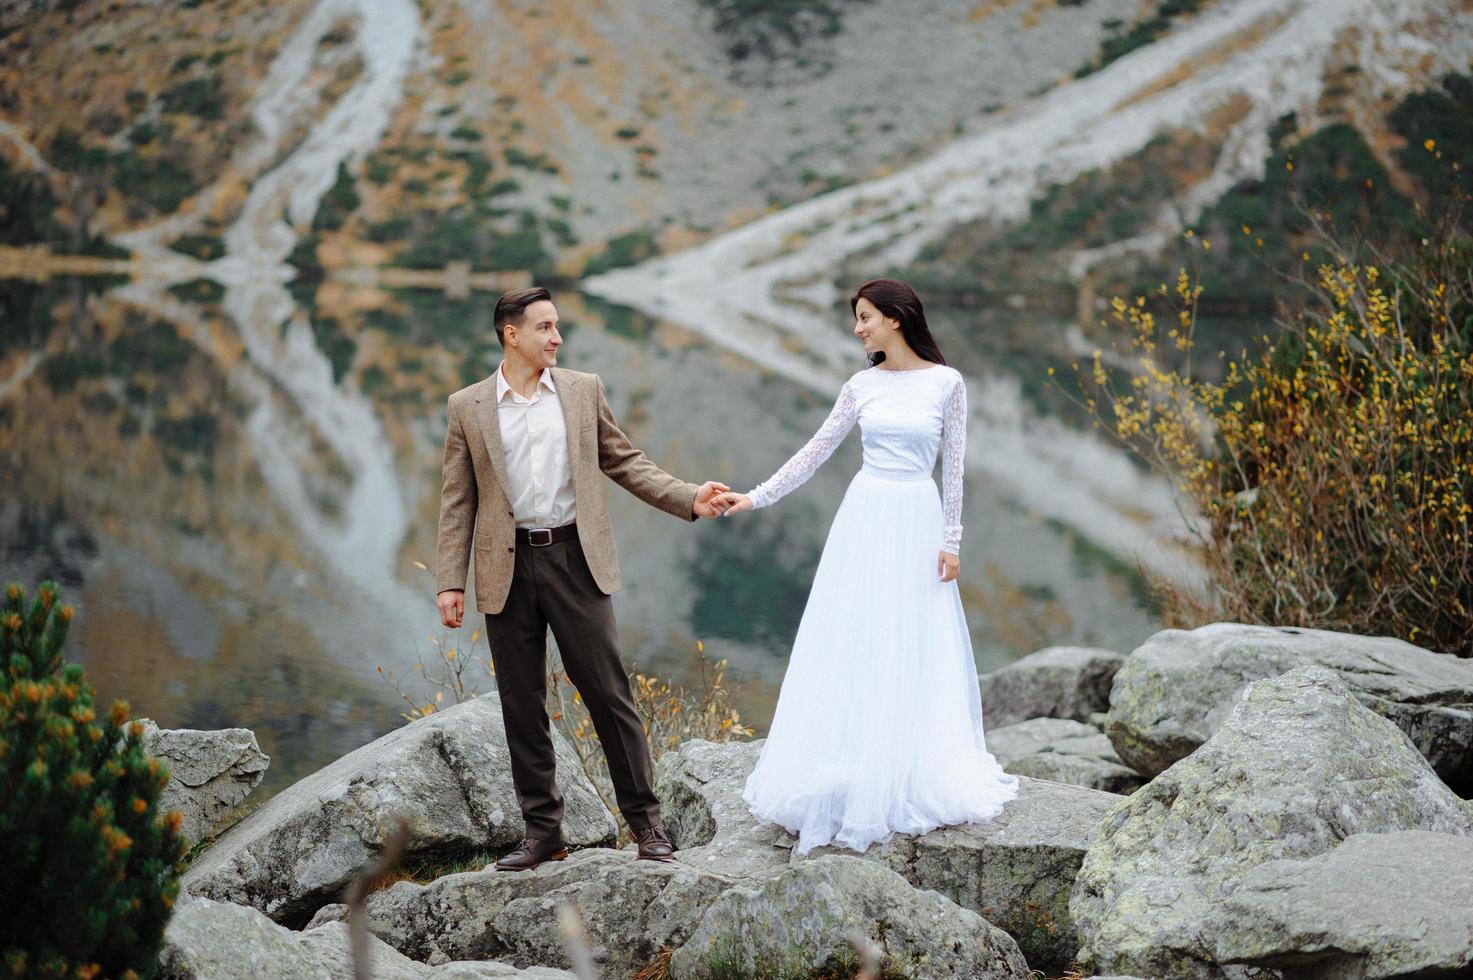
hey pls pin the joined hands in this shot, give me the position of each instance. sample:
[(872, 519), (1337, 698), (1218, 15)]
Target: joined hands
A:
[(732, 502), (708, 498)]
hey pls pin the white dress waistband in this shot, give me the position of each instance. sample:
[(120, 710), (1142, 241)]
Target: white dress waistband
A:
[(885, 474)]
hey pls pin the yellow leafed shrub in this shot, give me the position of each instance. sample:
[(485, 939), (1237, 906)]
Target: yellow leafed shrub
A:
[(1331, 467)]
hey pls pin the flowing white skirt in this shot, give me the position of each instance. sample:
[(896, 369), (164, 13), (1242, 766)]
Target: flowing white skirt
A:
[(878, 726)]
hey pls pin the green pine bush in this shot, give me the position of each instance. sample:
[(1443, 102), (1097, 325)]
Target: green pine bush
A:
[(90, 867)]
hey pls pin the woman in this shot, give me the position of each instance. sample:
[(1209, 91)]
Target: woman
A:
[(878, 726)]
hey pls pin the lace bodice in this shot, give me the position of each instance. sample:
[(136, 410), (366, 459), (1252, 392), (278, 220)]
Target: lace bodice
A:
[(904, 417)]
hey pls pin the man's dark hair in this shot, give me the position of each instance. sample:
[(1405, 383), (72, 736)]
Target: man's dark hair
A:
[(511, 306)]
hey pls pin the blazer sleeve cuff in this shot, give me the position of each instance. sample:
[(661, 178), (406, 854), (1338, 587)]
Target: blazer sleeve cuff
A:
[(685, 502)]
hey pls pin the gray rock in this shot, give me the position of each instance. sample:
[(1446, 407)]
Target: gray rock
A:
[(209, 940), (1064, 751), (798, 919), (1379, 905), (1175, 690), (210, 772), (1056, 682), (1298, 765), (476, 969), (1016, 871), (700, 789), (335, 912), (629, 908), (448, 774)]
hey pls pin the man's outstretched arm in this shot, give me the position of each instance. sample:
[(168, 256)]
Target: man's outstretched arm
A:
[(457, 521), (634, 471)]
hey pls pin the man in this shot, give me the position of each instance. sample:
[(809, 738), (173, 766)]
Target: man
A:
[(523, 450)]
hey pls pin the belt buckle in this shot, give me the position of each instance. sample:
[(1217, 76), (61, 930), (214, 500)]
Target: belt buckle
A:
[(532, 536)]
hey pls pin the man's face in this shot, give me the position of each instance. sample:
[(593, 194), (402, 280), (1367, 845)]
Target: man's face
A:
[(536, 338)]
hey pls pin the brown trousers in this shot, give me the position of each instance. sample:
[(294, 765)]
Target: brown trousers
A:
[(552, 586)]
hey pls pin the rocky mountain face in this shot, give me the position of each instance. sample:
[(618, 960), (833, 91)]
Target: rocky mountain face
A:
[(663, 120), (986, 147)]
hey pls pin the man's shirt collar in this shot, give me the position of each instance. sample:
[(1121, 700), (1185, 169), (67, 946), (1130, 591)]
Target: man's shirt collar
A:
[(502, 387)]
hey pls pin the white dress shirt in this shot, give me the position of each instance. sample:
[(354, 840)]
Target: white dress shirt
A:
[(534, 438)]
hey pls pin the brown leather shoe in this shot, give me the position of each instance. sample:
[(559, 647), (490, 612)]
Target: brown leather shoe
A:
[(531, 852), (654, 845)]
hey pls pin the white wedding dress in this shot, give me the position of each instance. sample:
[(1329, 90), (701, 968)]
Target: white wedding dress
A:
[(878, 726)]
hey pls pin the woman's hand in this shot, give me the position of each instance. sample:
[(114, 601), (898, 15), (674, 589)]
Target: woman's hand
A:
[(948, 566), (732, 502)]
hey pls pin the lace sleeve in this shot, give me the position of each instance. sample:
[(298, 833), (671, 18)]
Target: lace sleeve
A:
[(806, 461), (953, 448)]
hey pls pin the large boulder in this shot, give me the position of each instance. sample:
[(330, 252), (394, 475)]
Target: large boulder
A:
[(700, 789), (1062, 750), (1379, 905), (1176, 689), (210, 772), (630, 909), (448, 774), (1298, 765), (1056, 682), (798, 920), (1016, 870), (209, 940)]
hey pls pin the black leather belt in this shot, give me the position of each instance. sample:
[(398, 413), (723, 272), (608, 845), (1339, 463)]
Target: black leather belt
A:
[(541, 537)]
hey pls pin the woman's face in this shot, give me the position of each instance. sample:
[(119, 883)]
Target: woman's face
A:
[(873, 327)]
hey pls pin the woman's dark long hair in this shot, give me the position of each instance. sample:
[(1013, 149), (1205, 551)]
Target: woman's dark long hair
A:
[(898, 301)]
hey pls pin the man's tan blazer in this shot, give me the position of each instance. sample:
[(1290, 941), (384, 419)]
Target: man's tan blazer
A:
[(475, 512)]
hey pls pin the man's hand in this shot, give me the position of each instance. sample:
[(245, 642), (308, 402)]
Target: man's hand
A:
[(948, 566), (706, 496), (452, 607), (733, 503)]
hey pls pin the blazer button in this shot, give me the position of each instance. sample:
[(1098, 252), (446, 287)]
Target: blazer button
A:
[(512, 550), (510, 514)]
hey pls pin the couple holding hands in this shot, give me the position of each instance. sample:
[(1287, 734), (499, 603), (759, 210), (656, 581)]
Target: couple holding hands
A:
[(878, 724)]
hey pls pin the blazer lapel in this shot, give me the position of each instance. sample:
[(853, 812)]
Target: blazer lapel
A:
[(488, 418), (571, 396)]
